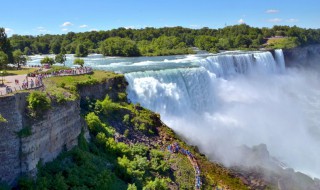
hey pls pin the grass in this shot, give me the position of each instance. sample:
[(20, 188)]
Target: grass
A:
[(66, 86), (13, 71), (184, 174)]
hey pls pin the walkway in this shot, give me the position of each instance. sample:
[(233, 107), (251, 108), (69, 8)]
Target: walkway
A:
[(175, 148), (24, 82)]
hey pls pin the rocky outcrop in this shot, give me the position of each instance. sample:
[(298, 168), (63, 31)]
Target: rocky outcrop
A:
[(302, 56), (260, 170), (110, 87)]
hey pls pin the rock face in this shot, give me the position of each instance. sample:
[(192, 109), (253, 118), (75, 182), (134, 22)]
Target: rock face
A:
[(12, 109), (308, 55), (57, 129), (98, 91)]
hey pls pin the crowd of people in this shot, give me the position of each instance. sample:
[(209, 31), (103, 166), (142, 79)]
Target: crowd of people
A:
[(175, 148), (34, 80), (63, 72)]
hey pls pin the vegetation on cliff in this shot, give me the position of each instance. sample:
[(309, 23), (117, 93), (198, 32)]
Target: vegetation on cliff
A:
[(2, 119), (38, 102), (127, 148)]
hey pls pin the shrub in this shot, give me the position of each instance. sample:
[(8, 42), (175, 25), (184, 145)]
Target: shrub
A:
[(2, 119), (157, 184), (122, 96), (24, 132), (126, 133), (132, 187), (38, 102), (95, 125), (108, 106), (126, 119)]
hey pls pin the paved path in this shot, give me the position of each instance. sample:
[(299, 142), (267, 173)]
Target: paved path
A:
[(10, 81)]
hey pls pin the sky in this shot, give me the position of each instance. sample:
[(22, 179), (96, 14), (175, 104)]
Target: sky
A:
[(35, 17)]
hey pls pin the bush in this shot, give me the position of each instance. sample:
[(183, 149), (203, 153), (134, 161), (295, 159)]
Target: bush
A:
[(96, 126), (157, 184), (24, 132), (126, 119), (2, 119), (38, 102), (108, 106), (126, 133), (132, 187)]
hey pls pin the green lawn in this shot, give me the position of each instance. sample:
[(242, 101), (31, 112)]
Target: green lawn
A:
[(13, 71)]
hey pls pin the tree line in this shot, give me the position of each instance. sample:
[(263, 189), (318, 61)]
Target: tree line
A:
[(156, 41)]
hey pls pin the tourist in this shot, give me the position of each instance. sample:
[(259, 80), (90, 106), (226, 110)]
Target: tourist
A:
[(31, 83)]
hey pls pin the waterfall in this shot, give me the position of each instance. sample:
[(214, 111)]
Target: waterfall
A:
[(175, 91), (279, 57), (222, 101), (243, 63), (172, 90)]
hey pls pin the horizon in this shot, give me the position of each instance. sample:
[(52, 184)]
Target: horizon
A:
[(60, 17)]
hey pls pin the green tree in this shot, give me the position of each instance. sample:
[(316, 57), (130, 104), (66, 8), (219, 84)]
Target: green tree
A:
[(78, 61), (19, 59), (117, 46), (27, 51), (81, 51), (47, 60), (3, 60), (60, 58), (207, 43), (5, 45), (55, 47)]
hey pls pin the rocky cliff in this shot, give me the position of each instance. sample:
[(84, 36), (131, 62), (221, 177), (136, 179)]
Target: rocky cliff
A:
[(304, 56), (12, 109), (25, 141)]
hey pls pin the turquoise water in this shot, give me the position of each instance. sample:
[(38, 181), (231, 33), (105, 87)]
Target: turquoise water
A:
[(130, 64)]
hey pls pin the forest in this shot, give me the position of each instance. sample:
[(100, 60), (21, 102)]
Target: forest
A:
[(160, 41)]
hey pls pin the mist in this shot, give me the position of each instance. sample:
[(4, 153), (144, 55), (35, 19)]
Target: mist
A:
[(280, 110)]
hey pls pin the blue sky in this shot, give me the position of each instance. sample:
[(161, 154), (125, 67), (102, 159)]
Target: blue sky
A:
[(33, 17)]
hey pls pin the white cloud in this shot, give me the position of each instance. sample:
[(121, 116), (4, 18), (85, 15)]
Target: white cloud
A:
[(292, 20), (241, 21), (42, 29), (83, 26), (272, 11), (195, 26), (66, 24), (64, 29), (275, 20), (129, 27), (8, 30)]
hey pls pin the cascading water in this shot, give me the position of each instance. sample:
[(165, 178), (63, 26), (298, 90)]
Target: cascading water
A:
[(234, 99)]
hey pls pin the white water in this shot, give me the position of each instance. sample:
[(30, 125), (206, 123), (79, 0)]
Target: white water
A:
[(231, 100)]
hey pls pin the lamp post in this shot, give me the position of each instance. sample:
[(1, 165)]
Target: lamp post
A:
[(2, 75)]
